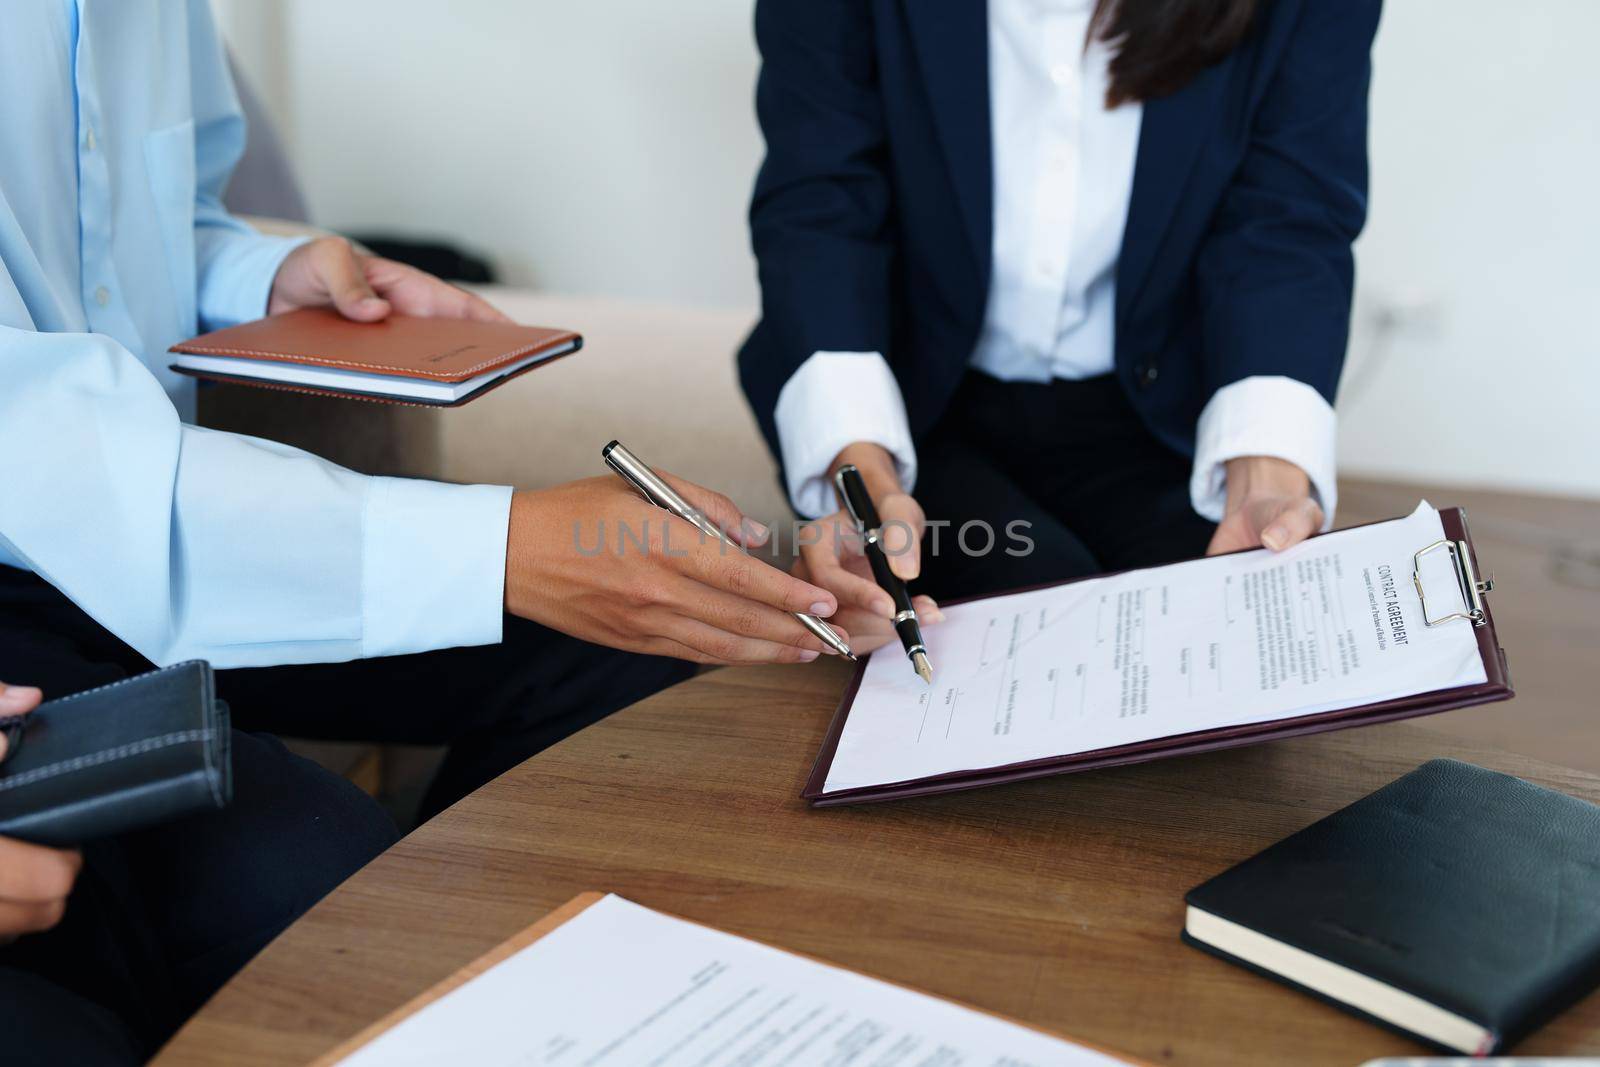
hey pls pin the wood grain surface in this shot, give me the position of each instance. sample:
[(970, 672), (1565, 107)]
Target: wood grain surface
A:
[(1058, 902)]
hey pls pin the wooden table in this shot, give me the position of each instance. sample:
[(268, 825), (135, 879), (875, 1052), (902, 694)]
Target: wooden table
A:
[(1057, 901)]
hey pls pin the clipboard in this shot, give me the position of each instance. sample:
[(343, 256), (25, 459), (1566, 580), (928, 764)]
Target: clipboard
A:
[(577, 906), (1456, 543)]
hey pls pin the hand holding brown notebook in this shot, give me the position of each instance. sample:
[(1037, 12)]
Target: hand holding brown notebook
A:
[(441, 362)]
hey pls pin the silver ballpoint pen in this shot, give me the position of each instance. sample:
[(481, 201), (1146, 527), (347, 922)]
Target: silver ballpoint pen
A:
[(649, 485)]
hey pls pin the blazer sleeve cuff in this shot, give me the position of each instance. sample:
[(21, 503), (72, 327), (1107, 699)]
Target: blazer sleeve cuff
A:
[(1265, 416), (833, 400)]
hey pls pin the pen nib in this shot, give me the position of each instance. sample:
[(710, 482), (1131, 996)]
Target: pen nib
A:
[(919, 660)]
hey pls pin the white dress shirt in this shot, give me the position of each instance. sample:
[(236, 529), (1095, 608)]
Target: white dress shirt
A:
[(118, 128), (1063, 176)]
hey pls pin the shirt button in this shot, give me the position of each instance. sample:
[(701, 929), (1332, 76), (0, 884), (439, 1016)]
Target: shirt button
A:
[(102, 296), (1146, 375), (1062, 73)]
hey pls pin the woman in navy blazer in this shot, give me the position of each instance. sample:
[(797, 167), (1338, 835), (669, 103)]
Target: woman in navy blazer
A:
[(1076, 274)]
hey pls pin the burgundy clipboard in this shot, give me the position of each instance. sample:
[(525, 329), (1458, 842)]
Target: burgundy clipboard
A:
[(1496, 686)]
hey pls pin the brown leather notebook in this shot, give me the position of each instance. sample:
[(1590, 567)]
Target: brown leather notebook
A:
[(402, 359), (1495, 686)]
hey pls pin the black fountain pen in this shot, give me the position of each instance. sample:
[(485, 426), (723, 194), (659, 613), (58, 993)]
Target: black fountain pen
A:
[(853, 491)]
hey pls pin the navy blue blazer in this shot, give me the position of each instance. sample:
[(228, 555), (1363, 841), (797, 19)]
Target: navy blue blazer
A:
[(872, 212)]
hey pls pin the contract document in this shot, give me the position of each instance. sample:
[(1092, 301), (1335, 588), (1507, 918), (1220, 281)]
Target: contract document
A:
[(618, 984), (1185, 650)]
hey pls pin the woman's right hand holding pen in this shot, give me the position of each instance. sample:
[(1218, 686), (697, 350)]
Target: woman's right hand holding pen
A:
[(830, 552)]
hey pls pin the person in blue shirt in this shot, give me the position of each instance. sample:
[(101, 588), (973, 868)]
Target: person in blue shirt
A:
[(333, 604)]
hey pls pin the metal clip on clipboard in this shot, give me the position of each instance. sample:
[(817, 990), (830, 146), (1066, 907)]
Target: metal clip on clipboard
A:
[(1472, 587)]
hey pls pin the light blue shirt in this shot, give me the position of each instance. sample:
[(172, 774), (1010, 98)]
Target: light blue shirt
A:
[(118, 129)]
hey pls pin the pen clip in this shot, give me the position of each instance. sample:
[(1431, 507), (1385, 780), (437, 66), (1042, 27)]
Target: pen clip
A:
[(648, 484), (853, 492)]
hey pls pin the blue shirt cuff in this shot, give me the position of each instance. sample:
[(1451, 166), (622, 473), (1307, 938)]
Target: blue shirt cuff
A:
[(434, 565), (239, 269)]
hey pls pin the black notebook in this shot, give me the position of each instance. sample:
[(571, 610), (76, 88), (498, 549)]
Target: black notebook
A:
[(1456, 905), (131, 754)]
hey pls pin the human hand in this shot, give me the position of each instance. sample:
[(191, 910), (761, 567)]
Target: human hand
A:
[(34, 880), (593, 559), (328, 272), (16, 700), (831, 552), (1269, 503)]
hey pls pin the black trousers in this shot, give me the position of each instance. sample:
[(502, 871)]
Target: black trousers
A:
[(159, 919), (1067, 466)]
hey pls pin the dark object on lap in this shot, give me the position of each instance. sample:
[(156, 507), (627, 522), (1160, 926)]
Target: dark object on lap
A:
[(121, 757)]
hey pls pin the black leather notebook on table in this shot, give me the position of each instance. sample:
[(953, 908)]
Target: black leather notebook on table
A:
[(1456, 905), (127, 755)]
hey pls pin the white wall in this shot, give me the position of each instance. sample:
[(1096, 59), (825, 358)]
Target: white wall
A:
[(608, 147), (1483, 234), (593, 147)]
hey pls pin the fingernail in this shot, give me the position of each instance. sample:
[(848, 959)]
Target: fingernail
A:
[(756, 533), (885, 607), (1274, 537), (822, 608), (371, 303), (807, 655), (934, 615), (18, 698)]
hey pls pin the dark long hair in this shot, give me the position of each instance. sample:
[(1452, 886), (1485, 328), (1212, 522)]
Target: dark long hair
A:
[(1160, 45)]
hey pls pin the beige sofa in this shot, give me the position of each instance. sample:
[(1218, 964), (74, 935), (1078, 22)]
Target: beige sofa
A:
[(660, 378)]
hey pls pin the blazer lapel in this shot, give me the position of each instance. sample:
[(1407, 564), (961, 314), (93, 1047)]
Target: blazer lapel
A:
[(1171, 134), (952, 45)]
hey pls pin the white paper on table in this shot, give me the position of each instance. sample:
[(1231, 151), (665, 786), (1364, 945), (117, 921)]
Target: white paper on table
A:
[(620, 984), (1244, 638)]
